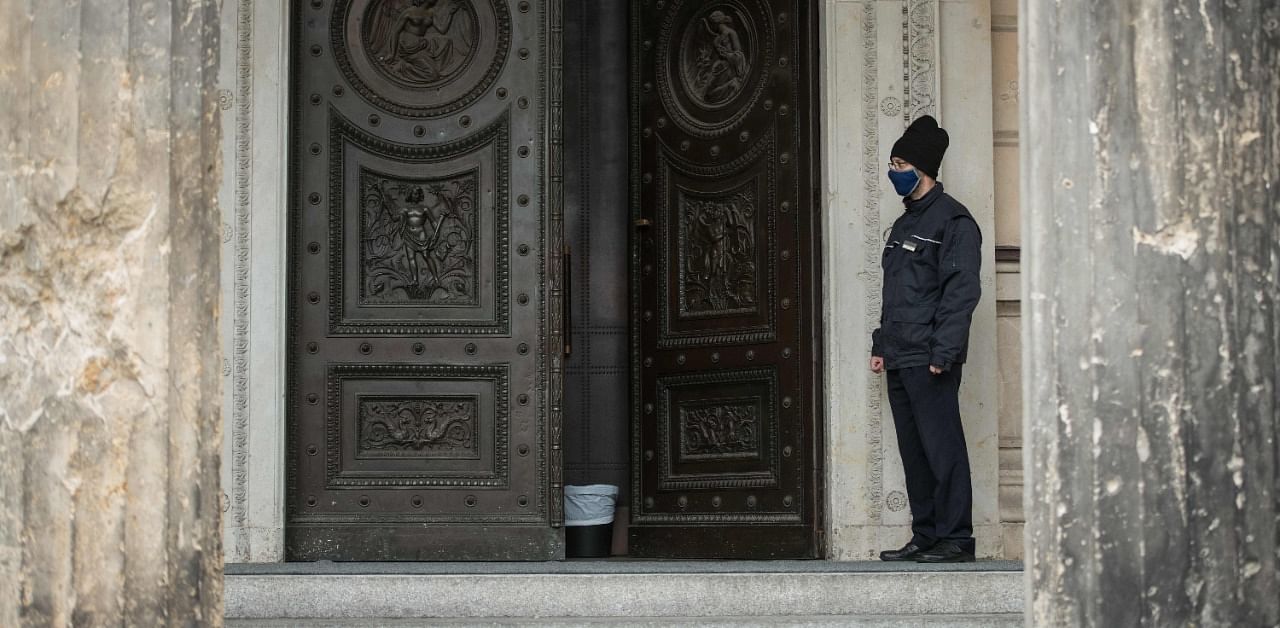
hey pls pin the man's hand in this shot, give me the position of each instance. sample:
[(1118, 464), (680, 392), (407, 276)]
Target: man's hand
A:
[(935, 370), (877, 364)]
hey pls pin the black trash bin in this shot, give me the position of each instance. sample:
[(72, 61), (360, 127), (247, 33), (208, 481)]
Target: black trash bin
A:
[(588, 520)]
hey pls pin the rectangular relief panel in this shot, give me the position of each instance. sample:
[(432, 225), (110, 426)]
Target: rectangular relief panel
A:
[(719, 430), (420, 234), (418, 426), (717, 275)]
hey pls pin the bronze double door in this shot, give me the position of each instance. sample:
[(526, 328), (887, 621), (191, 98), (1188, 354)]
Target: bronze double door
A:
[(428, 270)]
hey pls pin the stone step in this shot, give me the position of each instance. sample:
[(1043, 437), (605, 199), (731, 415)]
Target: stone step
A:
[(1008, 620), (661, 593)]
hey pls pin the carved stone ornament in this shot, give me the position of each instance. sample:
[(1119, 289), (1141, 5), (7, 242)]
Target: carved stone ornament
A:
[(896, 501)]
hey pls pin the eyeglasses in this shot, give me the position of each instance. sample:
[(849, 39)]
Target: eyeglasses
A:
[(899, 165)]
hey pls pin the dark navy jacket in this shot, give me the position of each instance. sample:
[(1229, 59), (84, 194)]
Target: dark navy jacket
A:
[(931, 284)]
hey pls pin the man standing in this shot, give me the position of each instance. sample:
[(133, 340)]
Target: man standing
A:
[(931, 287)]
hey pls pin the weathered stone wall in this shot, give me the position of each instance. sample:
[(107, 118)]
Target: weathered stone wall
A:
[(109, 365), (1152, 232)]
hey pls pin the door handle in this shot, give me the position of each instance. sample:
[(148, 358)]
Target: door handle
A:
[(567, 274)]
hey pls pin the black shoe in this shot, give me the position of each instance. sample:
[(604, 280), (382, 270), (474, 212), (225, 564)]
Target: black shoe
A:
[(944, 552), (908, 552)]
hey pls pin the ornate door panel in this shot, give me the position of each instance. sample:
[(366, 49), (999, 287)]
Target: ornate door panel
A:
[(725, 393), (424, 296)]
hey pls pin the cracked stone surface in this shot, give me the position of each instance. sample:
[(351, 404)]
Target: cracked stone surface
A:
[(109, 396)]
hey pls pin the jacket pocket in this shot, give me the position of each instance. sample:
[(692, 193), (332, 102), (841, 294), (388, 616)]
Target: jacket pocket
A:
[(913, 327), (912, 314)]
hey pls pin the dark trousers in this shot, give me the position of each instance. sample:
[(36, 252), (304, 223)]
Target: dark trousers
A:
[(926, 413)]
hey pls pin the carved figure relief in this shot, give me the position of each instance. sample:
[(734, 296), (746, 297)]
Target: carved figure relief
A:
[(421, 58), (717, 254), (716, 57), (712, 62), (417, 424), (420, 43), (720, 430), (418, 240)]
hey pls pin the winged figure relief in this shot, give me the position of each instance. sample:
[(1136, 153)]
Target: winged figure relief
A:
[(423, 42)]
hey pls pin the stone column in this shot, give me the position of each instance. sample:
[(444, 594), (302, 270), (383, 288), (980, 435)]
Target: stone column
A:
[(1152, 225), (109, 361)]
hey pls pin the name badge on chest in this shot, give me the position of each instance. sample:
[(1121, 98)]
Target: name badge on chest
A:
[(909, 245)]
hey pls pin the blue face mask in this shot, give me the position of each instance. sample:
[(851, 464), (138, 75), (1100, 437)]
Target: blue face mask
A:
[(904, 182)]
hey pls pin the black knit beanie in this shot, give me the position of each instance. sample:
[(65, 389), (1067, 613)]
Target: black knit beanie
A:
[(922, 145)]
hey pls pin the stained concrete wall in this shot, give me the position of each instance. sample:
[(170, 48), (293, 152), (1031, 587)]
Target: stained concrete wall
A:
[(109, 397), (1152, 233)]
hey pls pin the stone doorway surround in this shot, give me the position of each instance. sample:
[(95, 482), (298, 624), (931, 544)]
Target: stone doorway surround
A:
[(880, 68)]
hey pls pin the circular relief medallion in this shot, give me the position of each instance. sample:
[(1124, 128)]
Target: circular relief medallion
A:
[(716, 56), (896, 501), (421, 58), (420, 43), (712, 61)]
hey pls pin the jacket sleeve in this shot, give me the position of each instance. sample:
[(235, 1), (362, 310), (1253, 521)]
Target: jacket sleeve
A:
[(877, 349), (960, 260)]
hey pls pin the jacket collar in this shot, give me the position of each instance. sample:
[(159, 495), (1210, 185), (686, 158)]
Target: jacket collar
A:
[(924, 202)]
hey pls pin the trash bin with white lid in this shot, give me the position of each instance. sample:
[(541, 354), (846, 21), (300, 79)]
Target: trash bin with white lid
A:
[(588, 520)]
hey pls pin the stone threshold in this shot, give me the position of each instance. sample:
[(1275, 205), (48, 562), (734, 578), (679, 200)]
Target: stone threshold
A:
[(619, 589), (606, 566), (813, 621)]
